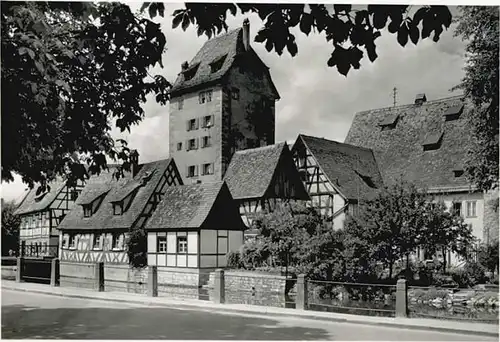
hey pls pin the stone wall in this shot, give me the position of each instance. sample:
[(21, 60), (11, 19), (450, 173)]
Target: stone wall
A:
[(183, 282), (254, 288), (122, 278), (81, 275), (9, 272)]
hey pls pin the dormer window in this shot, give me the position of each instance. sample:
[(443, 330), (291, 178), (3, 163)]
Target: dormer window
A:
[(433, 141), (118, 208), (453, 113), (389, 122), (87, 210), (190, 72), (458, 173), (216, 65)]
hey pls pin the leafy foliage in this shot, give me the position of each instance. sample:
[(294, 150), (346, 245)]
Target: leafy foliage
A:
[(445, 231), (351, 32), (488, 256), (10, 228), (137, 246), (478, 26), (70, 71)]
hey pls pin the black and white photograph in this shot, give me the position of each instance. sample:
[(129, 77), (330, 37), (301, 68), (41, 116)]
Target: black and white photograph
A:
[(250, 171)]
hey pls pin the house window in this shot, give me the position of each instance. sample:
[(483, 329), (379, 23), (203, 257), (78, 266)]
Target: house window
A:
[(205, 142), (235, 93), (471, 209), (117, 208), (457, 208), (207, 121), (97, 241), (205, 96), (192, 125), (115, 242), (191, 144), (87, 210), (179, 146), (208, 169), (180, 104), (182, 244), (72, 241), (162, 244), (192, 171)]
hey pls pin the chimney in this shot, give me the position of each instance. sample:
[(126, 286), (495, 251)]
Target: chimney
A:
[(420, 99), (246, 34), (184, 66), (134, 162)]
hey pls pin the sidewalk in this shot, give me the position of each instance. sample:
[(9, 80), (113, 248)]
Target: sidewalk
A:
[(460, 327)]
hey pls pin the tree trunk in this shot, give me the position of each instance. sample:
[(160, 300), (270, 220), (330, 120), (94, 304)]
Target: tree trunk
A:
[(390, 268), (408, 261)]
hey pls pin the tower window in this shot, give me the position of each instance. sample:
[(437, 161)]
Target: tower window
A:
[(192, 171), (179, 146), (192, 125), (205, 142), (207, 121), (205, 96), (208, 169), (192, 144)]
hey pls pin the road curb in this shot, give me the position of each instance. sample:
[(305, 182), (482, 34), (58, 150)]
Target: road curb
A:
[(312, 316)]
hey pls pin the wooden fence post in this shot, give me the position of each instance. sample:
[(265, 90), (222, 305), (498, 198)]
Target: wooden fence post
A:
[(153, 281), (301, 299), (219, 286), (401, 298)]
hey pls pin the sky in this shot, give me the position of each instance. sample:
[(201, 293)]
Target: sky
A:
[(315, 99)]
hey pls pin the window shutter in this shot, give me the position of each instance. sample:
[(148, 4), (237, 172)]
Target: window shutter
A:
[(120, 241), (187, 171), (196, 143), (196, 170), (187, 125), (197, 122), (187, 145)]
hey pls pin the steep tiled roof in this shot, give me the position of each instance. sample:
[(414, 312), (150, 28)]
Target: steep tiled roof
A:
[(352, 169), (251, 173), (400, 152), (205, 205), (223, 51), (33, 202), (211, 51), (103, 218)]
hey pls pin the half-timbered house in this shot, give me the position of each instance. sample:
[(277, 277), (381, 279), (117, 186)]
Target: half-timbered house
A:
[(96, 229), (41, 212), (258, 178), (337, 176), (194, 226)]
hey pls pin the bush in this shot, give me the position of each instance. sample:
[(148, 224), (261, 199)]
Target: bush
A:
[(476, 272), (254, 253), (234, 260)]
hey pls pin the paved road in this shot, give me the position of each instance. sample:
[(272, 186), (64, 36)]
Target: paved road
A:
[(33, 316)]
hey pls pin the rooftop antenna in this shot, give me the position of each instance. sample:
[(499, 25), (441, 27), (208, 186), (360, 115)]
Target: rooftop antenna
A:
[(394, 95)]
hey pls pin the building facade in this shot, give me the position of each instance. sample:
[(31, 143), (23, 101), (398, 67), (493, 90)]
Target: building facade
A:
[(96, 229), (41, 213), (426, 143), (338, 177), (222, 102), (259, 178)]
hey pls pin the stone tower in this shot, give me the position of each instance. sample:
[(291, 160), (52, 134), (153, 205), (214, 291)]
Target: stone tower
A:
[(222, 101)]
